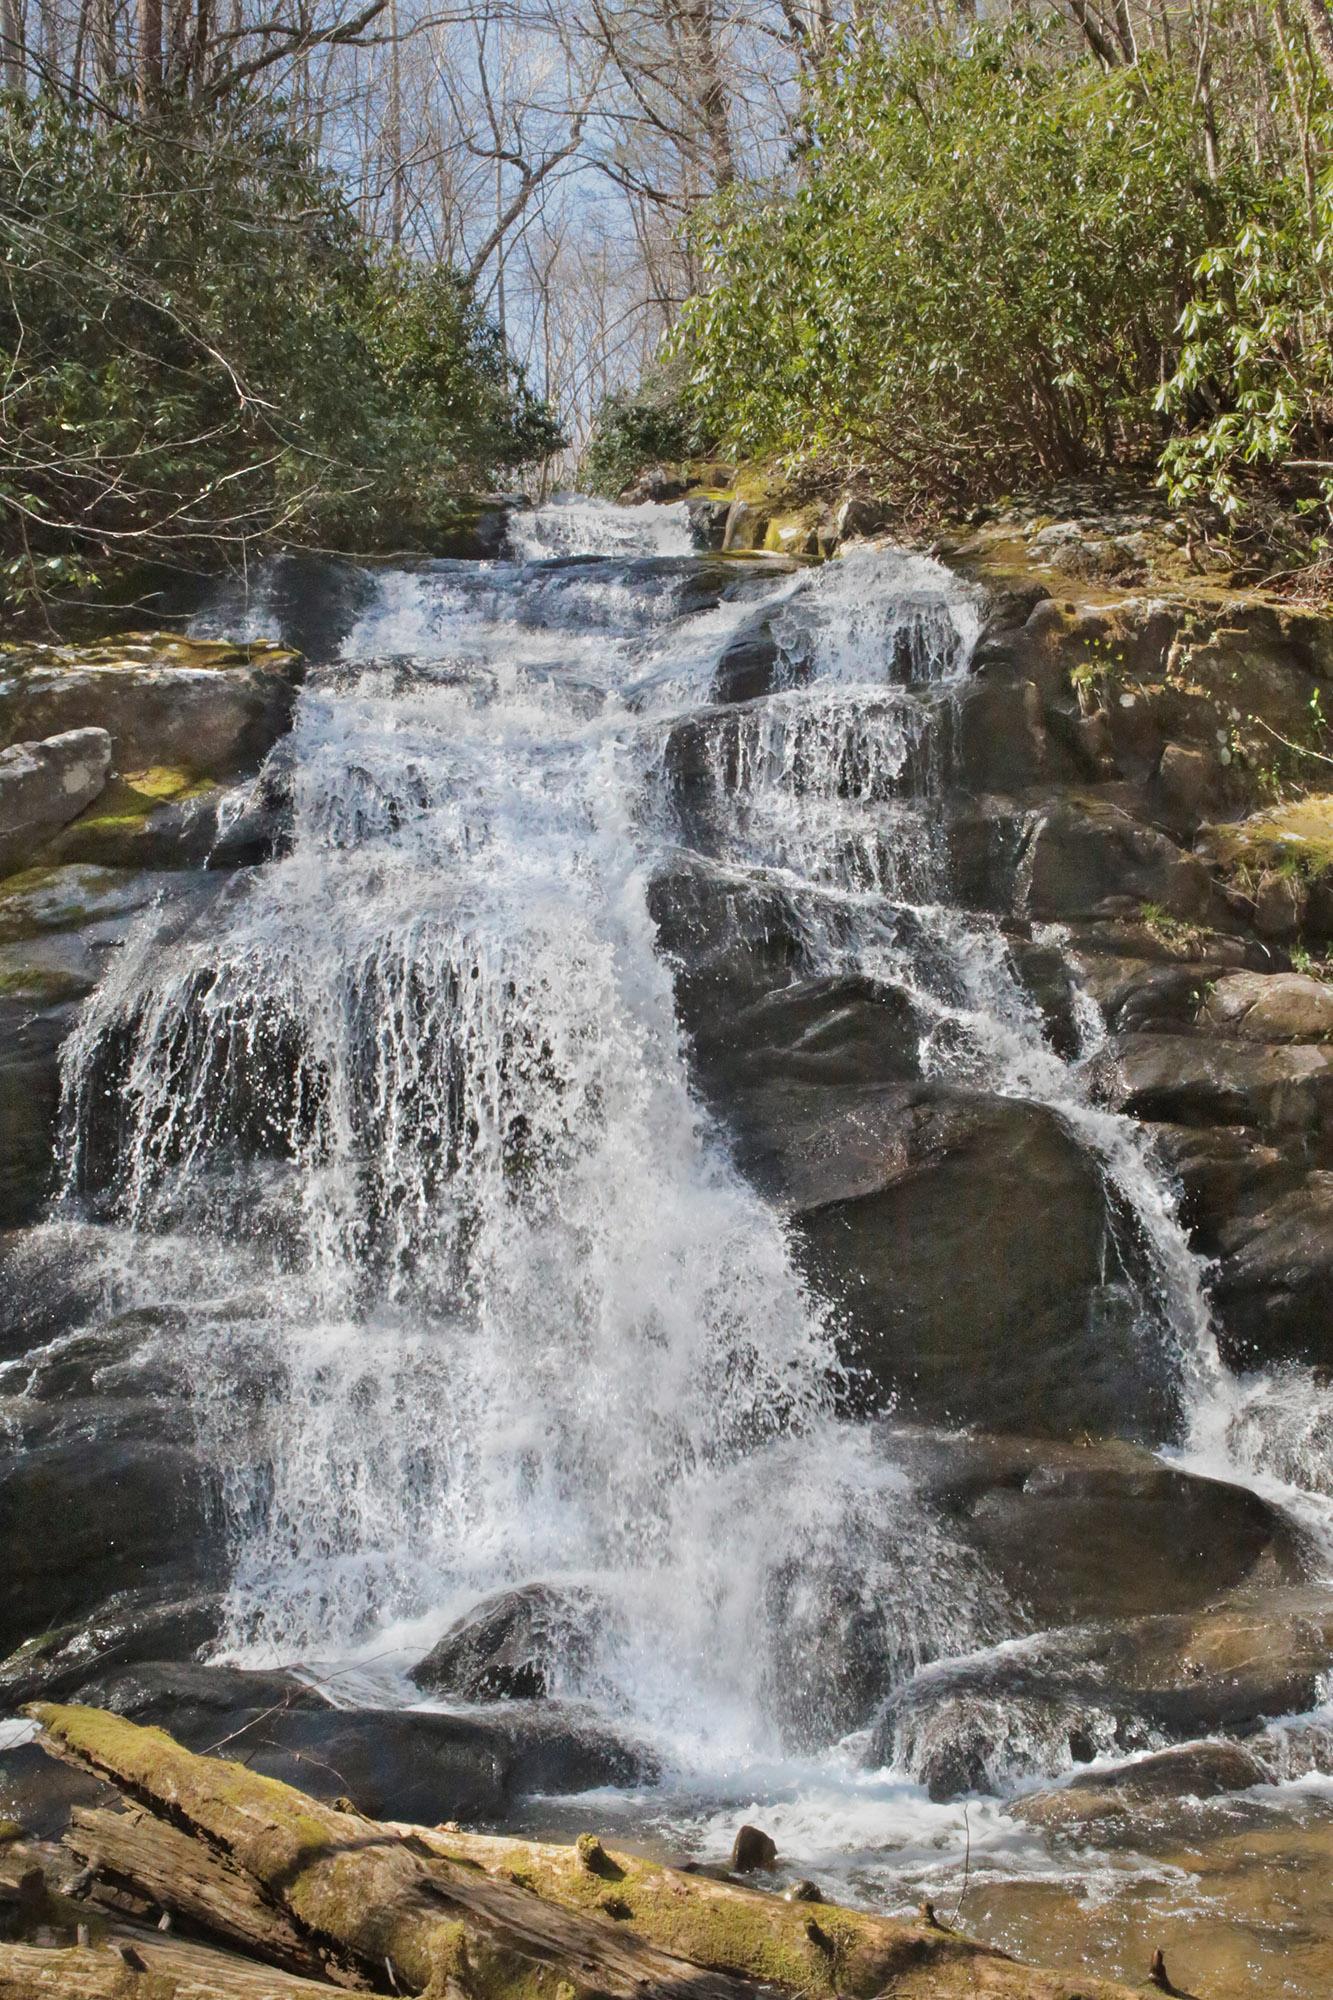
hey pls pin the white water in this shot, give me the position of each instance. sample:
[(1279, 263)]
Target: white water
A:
[(407, 1132)]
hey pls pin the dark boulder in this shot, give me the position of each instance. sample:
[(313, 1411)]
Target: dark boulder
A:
[(39, 1792), (1000, 740), (1273, 1287), (1283, 1090), (967, 1245), (1083, 1531), (97, 1510), (102, 1491), (1089, 858), (516, 1645), (405, 1764), (750, 665), (30, 1042), (132, 1626), (753, 1849)]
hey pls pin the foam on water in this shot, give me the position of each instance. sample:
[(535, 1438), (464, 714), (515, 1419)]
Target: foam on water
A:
[(574, 525)]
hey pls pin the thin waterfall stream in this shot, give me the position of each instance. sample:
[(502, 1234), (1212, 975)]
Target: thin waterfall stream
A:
[(403, 1134)]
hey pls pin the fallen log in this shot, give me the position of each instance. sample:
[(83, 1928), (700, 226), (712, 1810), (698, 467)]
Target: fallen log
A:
[(168, 1969), (150, 1860), (461, 1917)]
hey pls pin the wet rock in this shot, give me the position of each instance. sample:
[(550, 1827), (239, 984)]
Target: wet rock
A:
[(135, 1625), (30, 1042), (1126, 1791), (749, 666), (1143, 994), (746, 526), (708, 522), (1270, 1007), (44, 785), (730, 937), (101, 1490), (404, 1764), (205, 707), (1088, 858), (753, 1849), (39, 1793), (1225, 1171), (58, 928), (1205, 1080), (313, 601), (924, 1213), (189, 1698), (516, 1645), (1089, 1531), (101, 1509), (1034, 1706), (1273, 1286)]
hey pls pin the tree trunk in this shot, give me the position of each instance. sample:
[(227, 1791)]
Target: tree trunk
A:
[(1321, 32), (11, 44), (150, 53)]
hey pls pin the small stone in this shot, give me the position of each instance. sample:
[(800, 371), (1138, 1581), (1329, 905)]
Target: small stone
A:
[(803, 1891), (751, 1849)]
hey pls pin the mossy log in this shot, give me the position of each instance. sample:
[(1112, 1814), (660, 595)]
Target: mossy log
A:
[(167, 1969), (457, 1916)]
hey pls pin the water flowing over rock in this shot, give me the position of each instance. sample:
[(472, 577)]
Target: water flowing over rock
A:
[(666, 1040)]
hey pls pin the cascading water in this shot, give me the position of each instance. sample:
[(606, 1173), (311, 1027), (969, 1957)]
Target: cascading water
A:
[(404, 1125)]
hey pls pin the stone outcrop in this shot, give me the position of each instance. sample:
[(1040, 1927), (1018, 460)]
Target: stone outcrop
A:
[(46, 784), (1138, 1684), (206, 707)]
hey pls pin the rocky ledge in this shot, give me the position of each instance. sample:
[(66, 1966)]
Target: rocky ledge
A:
[(119, 764)]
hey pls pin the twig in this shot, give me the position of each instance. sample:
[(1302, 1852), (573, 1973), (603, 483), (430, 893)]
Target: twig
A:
[(967, 1864)]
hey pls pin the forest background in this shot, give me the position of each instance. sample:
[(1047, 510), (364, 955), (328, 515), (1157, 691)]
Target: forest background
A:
[(320, 271)]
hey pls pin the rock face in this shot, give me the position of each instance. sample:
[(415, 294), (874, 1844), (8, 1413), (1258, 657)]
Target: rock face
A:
[(44, 785), (1088, 1531), (101, 1492), (208, 708), (59, 928)]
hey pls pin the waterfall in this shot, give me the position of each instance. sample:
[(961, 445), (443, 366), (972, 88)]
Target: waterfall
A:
[(404, 1124)]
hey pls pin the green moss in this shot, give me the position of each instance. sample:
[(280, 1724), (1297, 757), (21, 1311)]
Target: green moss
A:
[(1294, 838), (717, 1924)]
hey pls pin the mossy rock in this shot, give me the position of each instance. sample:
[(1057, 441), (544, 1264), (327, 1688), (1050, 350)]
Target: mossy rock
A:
[(1295, 838), (137, 821), (147, 649), (64, 897), (794, 534)]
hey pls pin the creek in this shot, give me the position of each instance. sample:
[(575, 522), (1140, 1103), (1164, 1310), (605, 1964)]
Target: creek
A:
[(491, 1157)]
